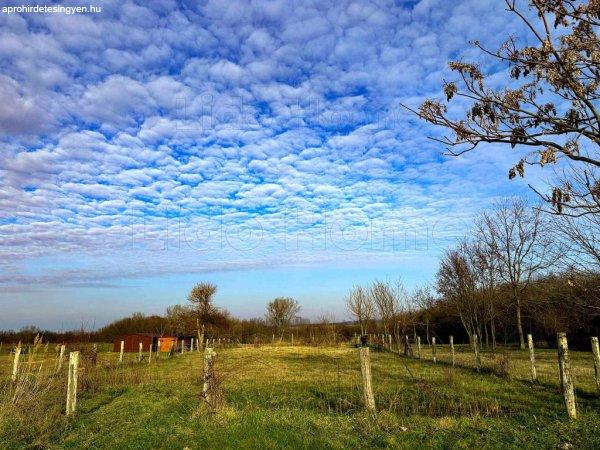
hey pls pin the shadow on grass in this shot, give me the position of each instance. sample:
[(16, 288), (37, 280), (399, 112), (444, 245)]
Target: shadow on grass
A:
[(109, 397)]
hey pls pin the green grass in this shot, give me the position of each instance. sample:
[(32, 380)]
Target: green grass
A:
[(309, 397)]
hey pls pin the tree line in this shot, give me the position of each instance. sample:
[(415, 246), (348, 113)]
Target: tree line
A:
[(516, 272)]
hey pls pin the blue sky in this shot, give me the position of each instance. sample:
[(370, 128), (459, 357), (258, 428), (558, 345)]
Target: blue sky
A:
[(260, 145)]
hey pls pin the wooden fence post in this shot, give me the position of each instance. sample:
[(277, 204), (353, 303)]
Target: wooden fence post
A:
[(192, 345), (477, 355), (292, 339), (15, 371), (121, 353), (566, 376), (418, 347), (407, 349), (182, 344), (596, 352), (140, 352), (72, 382), (532, 358), (433, 350), (201, 340), (94, 355), (150, 352), (208, 376), (452, 351), (365, 370)]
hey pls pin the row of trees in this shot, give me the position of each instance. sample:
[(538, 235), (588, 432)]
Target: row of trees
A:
[(518, 271), (201, 315), (512, 247)]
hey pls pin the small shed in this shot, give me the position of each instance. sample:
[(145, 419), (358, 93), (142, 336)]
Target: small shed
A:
[(132, 342), (165, 343)]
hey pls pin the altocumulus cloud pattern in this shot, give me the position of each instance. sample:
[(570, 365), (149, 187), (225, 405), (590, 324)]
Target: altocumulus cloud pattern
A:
[(177, 137)]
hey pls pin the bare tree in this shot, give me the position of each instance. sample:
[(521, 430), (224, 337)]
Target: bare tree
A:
[(390, 301), (281, 312), (487, 264), (524, 248), (385, 302), (582, 235), (548, 105), (423, 298), (201, 297), (360, 305), (404, 314), (457, 282)]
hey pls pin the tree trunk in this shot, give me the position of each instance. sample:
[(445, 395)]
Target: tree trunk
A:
[(487, 336), (200, 330), (520, 326), (493, 330)]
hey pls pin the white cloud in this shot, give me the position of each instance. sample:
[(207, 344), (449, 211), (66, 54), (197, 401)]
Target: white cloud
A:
[(119, 126)]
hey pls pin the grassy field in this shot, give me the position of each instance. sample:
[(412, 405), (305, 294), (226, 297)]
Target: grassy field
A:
[(304, 397)]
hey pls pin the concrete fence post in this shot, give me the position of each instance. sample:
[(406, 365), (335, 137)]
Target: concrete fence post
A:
[(61, 357), (365, 370), (121, 353), (15, 371), (566, 376), (532, 358), (596, 352), (418, 347), (192, 345), (140, 351), (72, 382), (477, 355), (182, 345), (433, 350), (452, 351), (292, 338), (150, 352)]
